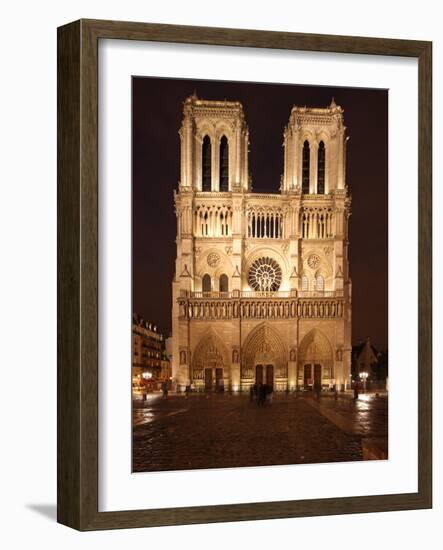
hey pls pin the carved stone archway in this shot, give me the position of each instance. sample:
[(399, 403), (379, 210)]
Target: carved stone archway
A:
[(210, 353), (315, 349), (264, 345)]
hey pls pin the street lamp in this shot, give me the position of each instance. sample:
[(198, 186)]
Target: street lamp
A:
[(364, 377)]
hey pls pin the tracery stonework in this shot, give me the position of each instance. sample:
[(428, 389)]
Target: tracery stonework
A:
[(313, 261), (213, 259), (261, 290), (265, 275)]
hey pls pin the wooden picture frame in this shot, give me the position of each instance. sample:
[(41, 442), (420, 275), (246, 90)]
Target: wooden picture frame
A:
[(78, 274)]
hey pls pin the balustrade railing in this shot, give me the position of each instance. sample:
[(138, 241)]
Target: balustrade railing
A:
[(277, 308), (242, 294), (320, 293)]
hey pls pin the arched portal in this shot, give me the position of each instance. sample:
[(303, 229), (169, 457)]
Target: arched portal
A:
[(210, 364), (315, 361), (264, 358)]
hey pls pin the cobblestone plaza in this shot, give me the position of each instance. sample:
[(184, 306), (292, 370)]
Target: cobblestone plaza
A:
[(222, 431)]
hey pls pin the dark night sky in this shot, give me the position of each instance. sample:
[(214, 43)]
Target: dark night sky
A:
[(157, 114)]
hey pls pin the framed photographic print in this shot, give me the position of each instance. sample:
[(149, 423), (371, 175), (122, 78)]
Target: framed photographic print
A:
[(244, 280)]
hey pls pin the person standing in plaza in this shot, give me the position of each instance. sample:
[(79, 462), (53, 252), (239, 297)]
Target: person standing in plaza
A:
[(270, 392)]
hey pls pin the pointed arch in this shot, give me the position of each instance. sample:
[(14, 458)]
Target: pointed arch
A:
[(206, 164), (264, 344), (210, 352), (224, 164), (223, 283), (206, 283), (319, 283), (321, 168), (306, 163), (315, 346)]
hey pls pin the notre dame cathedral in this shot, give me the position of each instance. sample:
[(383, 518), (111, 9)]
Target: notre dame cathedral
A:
[(261, 291)]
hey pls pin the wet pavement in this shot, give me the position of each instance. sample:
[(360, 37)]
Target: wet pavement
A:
[(222, 431), (366, 416)]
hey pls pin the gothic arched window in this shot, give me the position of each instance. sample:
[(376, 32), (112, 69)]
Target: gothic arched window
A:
[(223, 283), (319, 283), (224, 164), (304, 283), (305, 167), (321, 169), (206, 164), (206, 283)]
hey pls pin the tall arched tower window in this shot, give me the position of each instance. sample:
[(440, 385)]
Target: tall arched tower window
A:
[(224, 164), (305, 167), (321, 168), (304, 283), (223, 283), (206, 283), (206, 164)]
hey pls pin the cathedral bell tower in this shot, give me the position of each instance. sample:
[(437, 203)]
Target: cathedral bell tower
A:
[(214, 176), (214, 146), (314, 179)]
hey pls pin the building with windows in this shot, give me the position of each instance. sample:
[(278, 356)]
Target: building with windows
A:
[(261, 291), (150, 363)]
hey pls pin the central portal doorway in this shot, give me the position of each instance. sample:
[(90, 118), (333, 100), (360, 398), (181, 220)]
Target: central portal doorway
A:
[(214, 383), (264, 374), (208, 379), (219, 382), (307, 381), (317, 377), (312, 376)]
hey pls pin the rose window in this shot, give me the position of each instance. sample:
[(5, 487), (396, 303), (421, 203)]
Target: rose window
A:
[(265, 275), (213, 259), (313, 261)]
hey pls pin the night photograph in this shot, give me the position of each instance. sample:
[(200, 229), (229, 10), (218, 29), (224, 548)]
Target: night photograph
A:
[(260, 274)]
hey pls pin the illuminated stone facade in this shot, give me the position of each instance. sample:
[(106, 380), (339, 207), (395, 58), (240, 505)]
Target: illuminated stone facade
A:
[(261, 290)]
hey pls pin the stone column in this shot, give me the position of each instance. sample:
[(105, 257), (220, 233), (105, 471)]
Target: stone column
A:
[(245, 160), (186, 151), (292, 375), (215, 172), (237, 154), (198, 163), (235, 369), (347, 369), (340, 167), (296, 160), (286, 175), (313, 168), (339, 375), (299, 161), (181, 133)]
